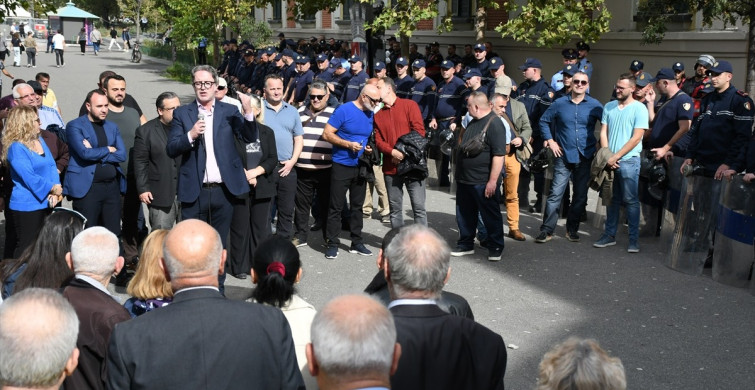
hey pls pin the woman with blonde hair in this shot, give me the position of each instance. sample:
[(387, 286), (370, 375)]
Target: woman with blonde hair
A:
[(149, 288), (579, 364), (36, 183)]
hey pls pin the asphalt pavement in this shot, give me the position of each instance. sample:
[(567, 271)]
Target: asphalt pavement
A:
[(671, 330)]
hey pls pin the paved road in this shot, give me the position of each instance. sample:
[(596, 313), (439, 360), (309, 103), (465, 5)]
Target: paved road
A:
[(672, 331)]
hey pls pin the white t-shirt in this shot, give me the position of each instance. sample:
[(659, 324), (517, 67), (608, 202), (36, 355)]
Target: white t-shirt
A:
[(59, 42)]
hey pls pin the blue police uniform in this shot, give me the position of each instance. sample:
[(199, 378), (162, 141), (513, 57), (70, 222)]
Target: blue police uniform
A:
[(326, 75), (723, 128), (404, 86), (585, 66), (424, 93), (288, 73), (536, 96), (301, 85), (339, 84), (354, 86), (450, 103), (484, 68)]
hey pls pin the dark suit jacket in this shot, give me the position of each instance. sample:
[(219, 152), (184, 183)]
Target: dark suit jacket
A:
[(442, 351), (154, 171), (227, 125), (98, 313), (83, 161), (266, 183), (204, 341)]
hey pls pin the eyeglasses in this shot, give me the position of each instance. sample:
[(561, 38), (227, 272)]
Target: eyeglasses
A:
[(580, 82), (71, 211), (203, 84), (317, 97), (374, 101), (620, 88)]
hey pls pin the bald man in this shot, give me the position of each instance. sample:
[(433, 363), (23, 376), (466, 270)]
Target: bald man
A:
[(38, 331), (349, 129), (202, 340), (353, 345)]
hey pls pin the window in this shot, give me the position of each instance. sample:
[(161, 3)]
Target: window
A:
[(277, 13), (461, 8), (346, 9)]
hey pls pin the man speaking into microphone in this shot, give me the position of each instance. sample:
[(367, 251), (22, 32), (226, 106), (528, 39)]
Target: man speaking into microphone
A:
[(203, 133)]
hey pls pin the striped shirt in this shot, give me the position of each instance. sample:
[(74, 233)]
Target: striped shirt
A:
[(316, 153)]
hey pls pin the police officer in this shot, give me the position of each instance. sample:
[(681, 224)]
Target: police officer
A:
[(679, 74), (567, 72), (424, 91), (447, 112), (304, 77), (246, 71), (379, 69), (636, 67), (724, 126), (570, 58), (536, 95), (433, 62), (324, 72), (341, 77), (404, 82), (696, 86), (584, 64), (356, 82), (482, 63), (288, 71), (501, 83)]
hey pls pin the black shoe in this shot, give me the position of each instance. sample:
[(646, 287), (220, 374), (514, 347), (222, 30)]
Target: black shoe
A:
[(241, 276), (543, 237), (573, 237), (316, 226)]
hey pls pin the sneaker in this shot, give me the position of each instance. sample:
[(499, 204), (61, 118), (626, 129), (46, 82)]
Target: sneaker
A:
[(331, 252), (459, 251), (633, 247), (604, 241), (495, 254), (573, 237), (360, 249), (543, 237), (385, 219), (298, 243)]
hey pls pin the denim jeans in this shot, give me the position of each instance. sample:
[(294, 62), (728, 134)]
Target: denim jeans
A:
[(562, 172), (625, 191), (416, 189), (471, 200)]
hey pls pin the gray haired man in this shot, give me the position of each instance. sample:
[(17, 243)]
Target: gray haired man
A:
[(38, 331), (353, 344)]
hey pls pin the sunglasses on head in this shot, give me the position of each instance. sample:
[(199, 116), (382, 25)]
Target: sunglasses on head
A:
[(73, 212)]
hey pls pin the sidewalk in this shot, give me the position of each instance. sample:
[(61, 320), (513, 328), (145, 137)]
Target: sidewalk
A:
[(671, 330)]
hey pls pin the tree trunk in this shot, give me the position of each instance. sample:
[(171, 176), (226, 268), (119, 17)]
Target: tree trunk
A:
[(480, 24), (404, 40), (750, 87)]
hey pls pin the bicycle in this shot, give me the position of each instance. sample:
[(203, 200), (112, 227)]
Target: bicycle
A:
[(136, 53)]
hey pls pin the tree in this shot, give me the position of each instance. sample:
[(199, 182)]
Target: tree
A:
[(556, 22), (658, 12), (40, 6), (105, 9)]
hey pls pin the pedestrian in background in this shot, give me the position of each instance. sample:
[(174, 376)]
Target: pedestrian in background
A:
[(30, 43), (82, 38)]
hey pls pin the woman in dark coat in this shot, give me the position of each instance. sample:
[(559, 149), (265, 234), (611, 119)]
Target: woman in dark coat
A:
[(250, 224)]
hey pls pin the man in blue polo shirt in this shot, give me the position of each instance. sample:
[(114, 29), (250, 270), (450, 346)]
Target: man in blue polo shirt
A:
[(671, 117), (568, 128), (348, 129)]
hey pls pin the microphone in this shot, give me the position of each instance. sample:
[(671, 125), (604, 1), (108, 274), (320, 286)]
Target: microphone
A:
[(200, 117)]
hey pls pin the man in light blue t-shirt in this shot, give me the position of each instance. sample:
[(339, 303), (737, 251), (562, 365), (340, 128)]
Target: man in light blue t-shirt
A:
[(622, 127), (348, 129)]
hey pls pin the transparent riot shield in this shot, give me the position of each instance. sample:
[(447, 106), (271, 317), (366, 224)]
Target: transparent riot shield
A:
[(733, 253), (693, 235), (673, 194)]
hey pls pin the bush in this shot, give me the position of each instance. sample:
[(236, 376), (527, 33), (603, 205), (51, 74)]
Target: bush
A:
[(180, 72)]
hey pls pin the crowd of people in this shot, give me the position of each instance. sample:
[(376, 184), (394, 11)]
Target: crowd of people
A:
[(267, 142)]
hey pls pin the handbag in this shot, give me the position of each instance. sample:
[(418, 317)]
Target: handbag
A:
[(475, 145), (23, 49), (524, 152)]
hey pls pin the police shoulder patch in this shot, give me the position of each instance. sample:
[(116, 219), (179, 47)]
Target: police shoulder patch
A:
[(686, 106), (432, 88), (748, 106), (550, 95)]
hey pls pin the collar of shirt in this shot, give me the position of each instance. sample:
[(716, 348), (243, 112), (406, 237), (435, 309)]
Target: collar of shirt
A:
[(200, 107), (283, 106), (197, 288), (398, 302), (94, 283)]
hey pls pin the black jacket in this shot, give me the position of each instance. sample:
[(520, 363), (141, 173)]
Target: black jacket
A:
[(265, 183), (414, 148)]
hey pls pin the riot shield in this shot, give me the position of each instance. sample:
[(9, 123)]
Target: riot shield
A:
[(733, 254), (673, 194), (693, 234)]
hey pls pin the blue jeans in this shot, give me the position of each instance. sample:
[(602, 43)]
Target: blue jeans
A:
[(625, 191), (416, 189), (471, 200), (562, 172)]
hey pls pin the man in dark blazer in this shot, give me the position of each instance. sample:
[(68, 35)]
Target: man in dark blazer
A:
[(93, 259), (438, 350), (211, 177), (202, 340), (156, 174), (94, 179)]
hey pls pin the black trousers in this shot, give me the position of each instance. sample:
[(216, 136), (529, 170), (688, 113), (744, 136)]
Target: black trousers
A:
[(28, 224), (309, 181), (250, 225), (101, 206), (284, 202), (129, 218), (344, 178)]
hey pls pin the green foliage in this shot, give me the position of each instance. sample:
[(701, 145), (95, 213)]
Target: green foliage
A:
[(41, 7), (179, 72), (657, 13), (105, 9), (556, 22), (404, 15), (258, 33)]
